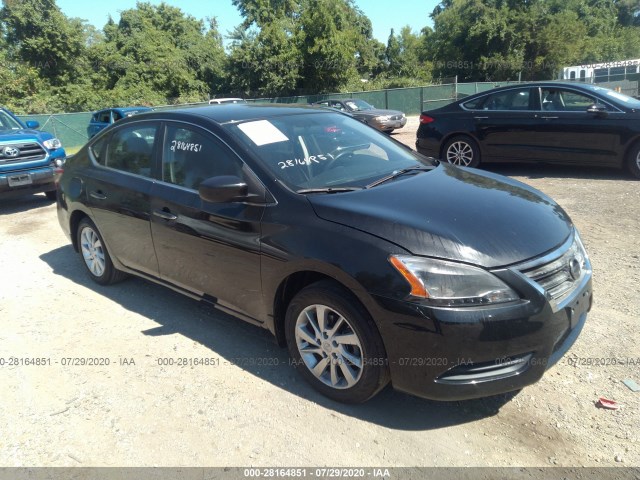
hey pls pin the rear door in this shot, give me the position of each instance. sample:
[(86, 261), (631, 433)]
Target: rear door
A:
[(505, 124), (207, 248), (119, 193)]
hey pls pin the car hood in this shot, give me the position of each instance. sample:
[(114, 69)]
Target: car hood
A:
[(454, 213), (24, 135), (375, 112)]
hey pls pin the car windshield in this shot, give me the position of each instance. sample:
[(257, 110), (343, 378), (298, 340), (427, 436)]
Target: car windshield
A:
[(7, 122), (324, 151), (357, 105)]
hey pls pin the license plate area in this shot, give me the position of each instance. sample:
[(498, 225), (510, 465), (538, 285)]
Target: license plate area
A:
[(579, 306), (19, 180)]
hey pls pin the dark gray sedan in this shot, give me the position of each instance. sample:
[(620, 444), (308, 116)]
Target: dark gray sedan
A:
[(384, 120)]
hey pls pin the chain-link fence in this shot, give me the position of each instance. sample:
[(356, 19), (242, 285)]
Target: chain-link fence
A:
[(71, 128)]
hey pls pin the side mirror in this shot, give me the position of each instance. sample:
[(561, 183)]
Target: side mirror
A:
[(223, 189), (32, 124), (598, 109)]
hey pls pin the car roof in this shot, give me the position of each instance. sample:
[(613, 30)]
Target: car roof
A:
[(124, 109), (132, 109), (227, 99), (550, 83), (232, 113)]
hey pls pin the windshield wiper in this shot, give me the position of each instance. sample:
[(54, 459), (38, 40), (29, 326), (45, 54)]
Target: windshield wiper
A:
[(328, 190), (398, 173)]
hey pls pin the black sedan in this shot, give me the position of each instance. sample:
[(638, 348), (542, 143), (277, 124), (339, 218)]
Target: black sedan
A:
[(369, 261), (384, 120), (552, 122)]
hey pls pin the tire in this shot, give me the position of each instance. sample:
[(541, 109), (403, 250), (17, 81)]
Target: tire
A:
[(462, 151), (633, 160), (95, 256), (51, 195), (348, 352)]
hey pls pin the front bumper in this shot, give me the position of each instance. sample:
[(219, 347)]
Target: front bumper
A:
[(388, 125), (35, 180), (463, 353)]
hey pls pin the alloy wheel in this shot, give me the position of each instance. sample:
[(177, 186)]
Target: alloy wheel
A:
[(92, 251), (460, 153), (329, 346)]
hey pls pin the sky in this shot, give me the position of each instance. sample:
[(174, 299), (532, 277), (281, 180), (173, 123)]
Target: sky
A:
[(384, 15)]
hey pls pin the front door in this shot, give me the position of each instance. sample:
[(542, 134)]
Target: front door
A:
[(207, 248), (567, 133)]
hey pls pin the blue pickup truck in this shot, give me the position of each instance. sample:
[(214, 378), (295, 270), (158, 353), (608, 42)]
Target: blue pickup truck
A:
[(29, 158)]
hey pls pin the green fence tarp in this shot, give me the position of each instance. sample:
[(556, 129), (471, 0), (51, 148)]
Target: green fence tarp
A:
[(71, 128)]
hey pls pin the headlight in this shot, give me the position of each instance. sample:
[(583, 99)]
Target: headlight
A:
[(52, 143), (450, 284), (382, 118)]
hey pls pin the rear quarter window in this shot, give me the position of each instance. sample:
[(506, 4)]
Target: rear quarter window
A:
[(474, 104)]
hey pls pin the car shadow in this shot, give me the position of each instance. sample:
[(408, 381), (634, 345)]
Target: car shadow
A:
[(543, 170), (254, 350), (22, 204)]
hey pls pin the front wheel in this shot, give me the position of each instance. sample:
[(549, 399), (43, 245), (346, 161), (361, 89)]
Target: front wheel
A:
[(633, 161), (95, 255), (335, 344), (462, 151), (51, 195)]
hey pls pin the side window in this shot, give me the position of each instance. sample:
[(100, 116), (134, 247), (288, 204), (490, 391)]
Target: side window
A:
[(338, 106), (508, 100), (104, 117), (560, 100), (97, 150), (116, 116), (190, 156), (130, 149), (474, 104)]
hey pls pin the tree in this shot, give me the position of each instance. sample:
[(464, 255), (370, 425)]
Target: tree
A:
[(40, 35), (405, 56), (504, 39), (267, 62), (160, 49)]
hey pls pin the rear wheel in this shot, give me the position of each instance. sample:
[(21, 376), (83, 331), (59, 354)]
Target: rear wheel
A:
[(334, 344), (633, 160), (95, 255), (462, 151)]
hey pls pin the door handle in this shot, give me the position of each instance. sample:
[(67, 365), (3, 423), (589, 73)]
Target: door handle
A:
[(550, 118), (165, 214), (98, 195), (480, 118)]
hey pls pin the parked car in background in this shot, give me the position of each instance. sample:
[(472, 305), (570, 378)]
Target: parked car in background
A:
[(369, 261), (221, 101), (384, 120), (103, 118), (552, 122), (29, 158)]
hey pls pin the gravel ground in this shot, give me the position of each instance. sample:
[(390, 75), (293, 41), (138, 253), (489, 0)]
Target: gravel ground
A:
[(248, 406)]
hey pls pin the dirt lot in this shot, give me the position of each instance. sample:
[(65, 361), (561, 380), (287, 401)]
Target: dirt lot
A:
[(239, 411)]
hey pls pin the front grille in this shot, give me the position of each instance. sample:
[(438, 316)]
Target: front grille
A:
[(561, 275), (26, 152), (486, 371)]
